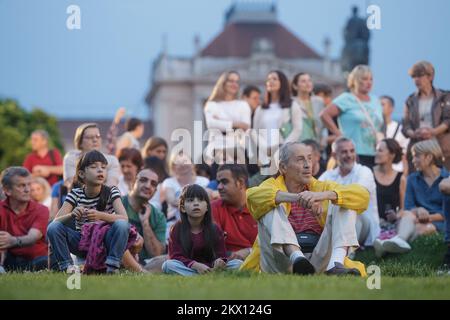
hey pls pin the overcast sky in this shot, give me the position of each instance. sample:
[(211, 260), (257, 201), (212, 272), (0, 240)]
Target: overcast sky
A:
[(106, 64)]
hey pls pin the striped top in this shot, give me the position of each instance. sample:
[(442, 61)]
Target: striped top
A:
[(77, 197), (302, 220)]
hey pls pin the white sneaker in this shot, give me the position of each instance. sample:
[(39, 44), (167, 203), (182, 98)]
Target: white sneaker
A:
[(396, 245), (72, 269), (2, 270), (378, 247), (443, 273)]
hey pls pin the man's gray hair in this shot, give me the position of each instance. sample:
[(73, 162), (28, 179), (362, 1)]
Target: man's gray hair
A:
[(338, 141), (44, 134), (286, 151), (9, 173)]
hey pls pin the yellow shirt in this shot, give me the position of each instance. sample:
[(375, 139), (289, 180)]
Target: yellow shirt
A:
[(261, 200)]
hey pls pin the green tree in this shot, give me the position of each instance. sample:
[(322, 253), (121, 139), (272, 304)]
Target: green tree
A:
[(16, 125)]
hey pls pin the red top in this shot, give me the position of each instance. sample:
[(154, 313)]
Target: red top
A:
[(198, 246), (34, 216), (238, 225), (302, 219), (33, 159)]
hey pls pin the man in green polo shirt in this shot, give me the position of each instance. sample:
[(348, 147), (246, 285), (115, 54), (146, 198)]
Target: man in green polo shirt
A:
[(148, 220)]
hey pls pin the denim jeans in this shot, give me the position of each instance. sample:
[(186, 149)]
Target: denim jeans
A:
[(17, 263), (64, 240), (447, 218), (178, 267)]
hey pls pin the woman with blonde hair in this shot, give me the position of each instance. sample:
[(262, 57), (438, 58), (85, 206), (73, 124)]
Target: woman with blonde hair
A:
[(359, 115), (224, 112), (424, 203), (182, 172), (41, 191), (87, 138)]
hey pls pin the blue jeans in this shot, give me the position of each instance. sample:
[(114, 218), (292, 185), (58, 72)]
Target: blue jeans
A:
[(447, 218), (178, 267), (18, 263), (64, 240)]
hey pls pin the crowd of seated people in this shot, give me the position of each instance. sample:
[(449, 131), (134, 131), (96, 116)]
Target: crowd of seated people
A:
[(339, 175)]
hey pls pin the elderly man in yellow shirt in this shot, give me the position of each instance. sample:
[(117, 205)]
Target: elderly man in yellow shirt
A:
[(333, 207)]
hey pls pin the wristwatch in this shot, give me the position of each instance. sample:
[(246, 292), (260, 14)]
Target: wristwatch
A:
[(18, 242)]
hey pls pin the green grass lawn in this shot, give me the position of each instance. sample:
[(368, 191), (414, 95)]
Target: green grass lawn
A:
[(410, 276), (423, 260)]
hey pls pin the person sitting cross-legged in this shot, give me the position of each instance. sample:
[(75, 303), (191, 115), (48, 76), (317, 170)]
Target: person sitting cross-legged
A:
[(92, 223), (326, 209), (196, 244), (230, 212)]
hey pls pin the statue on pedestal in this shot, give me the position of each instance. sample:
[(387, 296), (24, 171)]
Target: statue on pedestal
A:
[(356, 49)]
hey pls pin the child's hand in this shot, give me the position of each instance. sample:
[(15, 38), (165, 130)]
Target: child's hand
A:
[(219, 264), (201, 268), (94, 215), (78, 213)]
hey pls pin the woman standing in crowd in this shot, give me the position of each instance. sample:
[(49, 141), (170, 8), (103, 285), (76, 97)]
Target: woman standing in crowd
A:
[(134, 131), (359, 115), (196, 244), (391, 185), (131, 162), (224, 112), (311, 106), (40, 191), (393, 129), (427, 111), (183, 173), (277, 113), (424, 203), (88, 138)]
